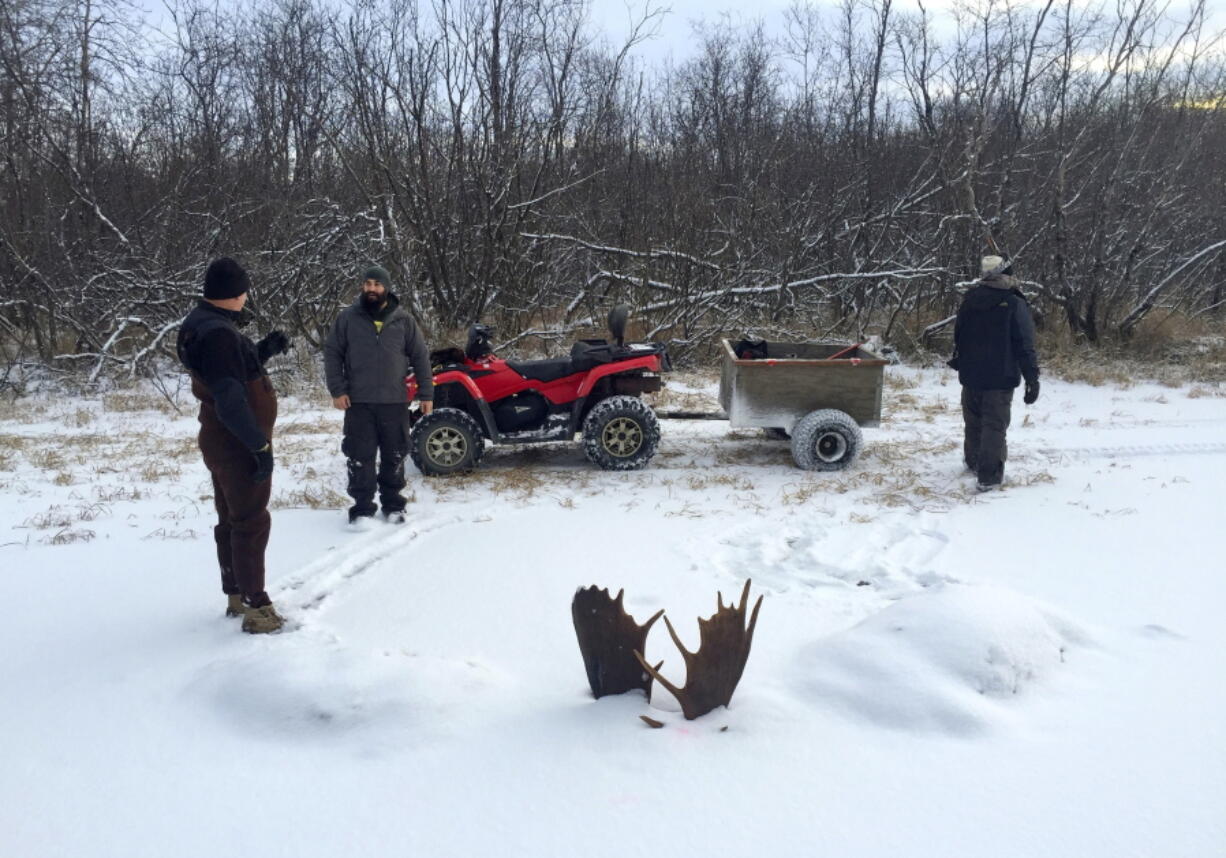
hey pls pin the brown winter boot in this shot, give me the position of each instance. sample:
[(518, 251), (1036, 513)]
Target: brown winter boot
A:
[(234, 605), (262, 621)]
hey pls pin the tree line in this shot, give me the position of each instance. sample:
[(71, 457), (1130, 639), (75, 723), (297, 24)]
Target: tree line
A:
[(838, 176)]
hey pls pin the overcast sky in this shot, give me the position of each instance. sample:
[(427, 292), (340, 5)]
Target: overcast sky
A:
[(676, 27), (675, 37), (612, 19)]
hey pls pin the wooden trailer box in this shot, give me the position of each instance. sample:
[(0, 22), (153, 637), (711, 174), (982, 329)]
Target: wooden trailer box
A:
[(795, 379)]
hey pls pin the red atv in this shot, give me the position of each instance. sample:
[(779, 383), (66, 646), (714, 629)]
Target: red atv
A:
[(596, 390)]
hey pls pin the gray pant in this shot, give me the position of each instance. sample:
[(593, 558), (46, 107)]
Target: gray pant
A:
[(986, 415)]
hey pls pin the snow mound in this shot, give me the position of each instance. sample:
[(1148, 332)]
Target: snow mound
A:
[(295, 691), (945, 660)]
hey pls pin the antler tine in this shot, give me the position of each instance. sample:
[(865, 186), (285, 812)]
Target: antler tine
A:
[(745, 595), (655, 674), (753, 621), (676, 640), (652, 621)]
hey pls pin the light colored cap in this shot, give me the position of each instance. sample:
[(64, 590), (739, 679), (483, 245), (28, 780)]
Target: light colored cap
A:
[(991, 265)]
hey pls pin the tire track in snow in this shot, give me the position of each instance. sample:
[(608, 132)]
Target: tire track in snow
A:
[(1134, 450), (311, 587)]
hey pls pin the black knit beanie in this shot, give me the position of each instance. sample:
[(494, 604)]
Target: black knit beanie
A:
[(225, 278), (377, 272)]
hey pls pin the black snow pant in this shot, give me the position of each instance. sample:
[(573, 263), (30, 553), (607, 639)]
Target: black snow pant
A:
[(986, 415), (372, 428)]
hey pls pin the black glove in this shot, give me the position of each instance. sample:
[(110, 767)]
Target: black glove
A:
[(1032, 392), (272, 345), (261, 467)]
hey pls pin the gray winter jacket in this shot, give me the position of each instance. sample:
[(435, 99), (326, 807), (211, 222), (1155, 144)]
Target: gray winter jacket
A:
[(370, 364)]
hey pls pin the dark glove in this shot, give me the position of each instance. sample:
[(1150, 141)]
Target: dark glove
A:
[(261, 468), (1032, 392), (274, 344)]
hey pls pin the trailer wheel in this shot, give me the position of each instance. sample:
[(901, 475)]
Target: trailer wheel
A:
[(446, 441), (621, 433), (825, 440)]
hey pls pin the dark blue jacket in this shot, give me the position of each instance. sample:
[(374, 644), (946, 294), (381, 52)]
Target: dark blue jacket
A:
[(994, 338), (212, 348)]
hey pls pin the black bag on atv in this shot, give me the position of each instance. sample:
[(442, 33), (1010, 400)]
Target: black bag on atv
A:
[(449, 356), (749, 348), (479, 342)]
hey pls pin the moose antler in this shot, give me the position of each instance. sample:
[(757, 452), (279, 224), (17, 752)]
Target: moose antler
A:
[(711, 673), (608, 640)]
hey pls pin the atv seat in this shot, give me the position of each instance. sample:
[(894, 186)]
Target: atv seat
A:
[(549, 369)]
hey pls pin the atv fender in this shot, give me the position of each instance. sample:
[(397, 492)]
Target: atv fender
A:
[(477, 407), (447, 377), (647, 363), (485, 416)]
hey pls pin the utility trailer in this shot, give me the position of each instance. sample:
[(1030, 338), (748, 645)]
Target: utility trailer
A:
[(818, 395)]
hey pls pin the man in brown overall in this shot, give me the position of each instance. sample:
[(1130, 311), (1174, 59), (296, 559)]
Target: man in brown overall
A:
[(238, 408)]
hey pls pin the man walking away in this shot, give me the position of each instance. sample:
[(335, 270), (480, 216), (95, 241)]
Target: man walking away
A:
[(238, 408), (366, 360), (993, 351)]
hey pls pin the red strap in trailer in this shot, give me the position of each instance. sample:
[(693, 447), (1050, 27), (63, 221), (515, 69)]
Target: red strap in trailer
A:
[(838, 355)]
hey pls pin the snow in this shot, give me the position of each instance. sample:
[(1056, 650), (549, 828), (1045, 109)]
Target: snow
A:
[(935, 672), (942, 660)]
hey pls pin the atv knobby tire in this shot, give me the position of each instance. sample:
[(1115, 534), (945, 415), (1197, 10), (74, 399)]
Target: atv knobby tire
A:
[(826, 440), (621, 433), (446, 441)]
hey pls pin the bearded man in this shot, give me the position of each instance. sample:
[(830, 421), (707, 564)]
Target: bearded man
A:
[(366, 360)]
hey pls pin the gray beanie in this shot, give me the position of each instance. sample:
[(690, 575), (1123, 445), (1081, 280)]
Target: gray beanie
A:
[(377, 272)]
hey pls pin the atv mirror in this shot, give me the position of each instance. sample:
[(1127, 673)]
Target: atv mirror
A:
[(617, 322)]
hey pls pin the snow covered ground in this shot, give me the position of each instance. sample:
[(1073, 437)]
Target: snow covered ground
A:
[(1034, 672)]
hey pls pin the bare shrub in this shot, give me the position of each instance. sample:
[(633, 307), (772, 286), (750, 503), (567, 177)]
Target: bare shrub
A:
[(300, 426), (111, 494), (134, 401), (45, 458), (841, 181), (1201, 392), (156, 470), (310, 497), (67, 536), (54, 518), (182, 448), (80, 418), (163, 533)]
